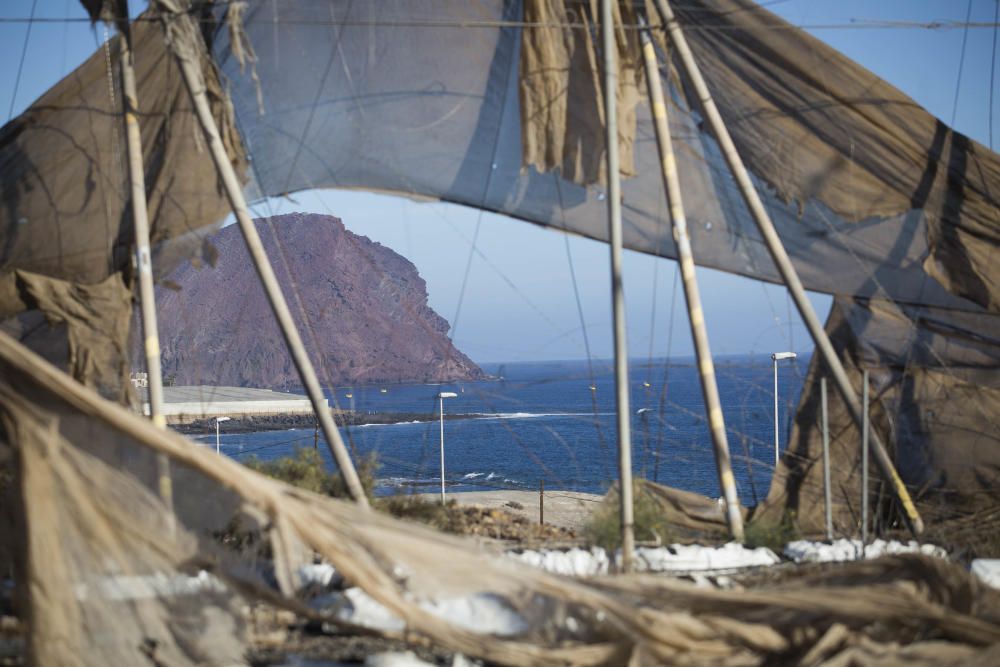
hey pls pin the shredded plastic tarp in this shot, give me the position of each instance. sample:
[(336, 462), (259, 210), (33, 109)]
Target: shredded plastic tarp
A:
[(430, 101), (66, 232), (935, 388)]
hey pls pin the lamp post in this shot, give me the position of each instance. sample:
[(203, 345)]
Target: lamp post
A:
[(443, 395), (775, 358), (643, 414), (217, 420)]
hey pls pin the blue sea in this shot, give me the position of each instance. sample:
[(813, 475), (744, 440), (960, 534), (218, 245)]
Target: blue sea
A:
[(555, 422)]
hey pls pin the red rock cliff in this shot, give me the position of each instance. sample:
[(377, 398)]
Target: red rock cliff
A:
[(366, 315)]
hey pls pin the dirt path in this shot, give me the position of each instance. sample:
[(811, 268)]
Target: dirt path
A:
[(567, 509)]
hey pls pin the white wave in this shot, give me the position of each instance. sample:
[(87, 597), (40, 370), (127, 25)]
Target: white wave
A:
[(473, 475), (406, 481), (415, 421), (535, 415)]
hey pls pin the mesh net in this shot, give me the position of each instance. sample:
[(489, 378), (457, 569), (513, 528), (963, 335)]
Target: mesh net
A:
[(863, 185), (110, 575)]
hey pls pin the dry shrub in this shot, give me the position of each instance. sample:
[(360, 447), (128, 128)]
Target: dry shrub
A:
[(604, 527), (307, 470)]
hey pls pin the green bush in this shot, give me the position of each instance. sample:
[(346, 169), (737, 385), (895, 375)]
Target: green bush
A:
[(305, 469), (772, 534), (421, 510), (604, 527)]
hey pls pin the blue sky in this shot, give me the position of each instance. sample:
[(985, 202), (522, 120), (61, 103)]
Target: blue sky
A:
[(519, 301)]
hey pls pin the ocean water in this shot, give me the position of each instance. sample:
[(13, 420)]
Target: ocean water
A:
[(544, 422)]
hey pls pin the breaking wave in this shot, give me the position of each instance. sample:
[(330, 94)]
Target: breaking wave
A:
[(533, 415)]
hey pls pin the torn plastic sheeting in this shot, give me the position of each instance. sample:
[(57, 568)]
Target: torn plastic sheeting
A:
[(575, 562), (149, 586), (806, 551), (987, 570), (480, 612), (694, 557), (675, 558)]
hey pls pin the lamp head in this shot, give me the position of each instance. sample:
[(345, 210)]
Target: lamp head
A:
[(778, 356)]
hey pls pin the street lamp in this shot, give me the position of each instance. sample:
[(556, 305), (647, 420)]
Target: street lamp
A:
[(775, 358), (217, 420), (443, 395), (643, 414)]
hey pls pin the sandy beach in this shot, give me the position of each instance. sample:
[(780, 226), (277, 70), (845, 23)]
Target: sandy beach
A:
[(566, 509)]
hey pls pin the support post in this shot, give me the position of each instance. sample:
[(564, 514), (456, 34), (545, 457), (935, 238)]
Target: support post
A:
[(143, 256), (190, 66), (864, 463), (826, 459), (623, 414), (441, 413), (541, 502), (774, 364), (696, 318), (781, 259)]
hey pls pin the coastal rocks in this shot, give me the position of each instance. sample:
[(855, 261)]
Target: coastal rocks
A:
[(361, 308)]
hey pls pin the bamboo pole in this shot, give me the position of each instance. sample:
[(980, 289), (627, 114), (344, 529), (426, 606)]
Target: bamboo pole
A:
[(865, 442), (617, 290), (827, 501), (696, 317), (195, 83), (781, 259), (143, 256)]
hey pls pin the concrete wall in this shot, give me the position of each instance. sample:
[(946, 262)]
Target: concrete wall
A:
[(211, 402)]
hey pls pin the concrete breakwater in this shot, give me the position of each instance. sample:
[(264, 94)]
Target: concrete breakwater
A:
[(278, 422)]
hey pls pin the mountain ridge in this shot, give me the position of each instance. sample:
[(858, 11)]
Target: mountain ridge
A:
[(361, 309)]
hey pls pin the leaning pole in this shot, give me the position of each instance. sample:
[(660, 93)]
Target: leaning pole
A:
[(143, 256), (781, 259), (617, 290), (696, 316), (185, 42)]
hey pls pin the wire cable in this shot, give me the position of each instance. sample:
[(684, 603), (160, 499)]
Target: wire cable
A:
[(961, 63), (20, 65), (993, 64)]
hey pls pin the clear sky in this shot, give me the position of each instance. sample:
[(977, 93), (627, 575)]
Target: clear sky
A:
[(519, 301)]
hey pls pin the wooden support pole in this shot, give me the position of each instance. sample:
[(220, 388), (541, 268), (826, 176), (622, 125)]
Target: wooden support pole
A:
[(696, 317), (143, 255), (623, 414), (193, 77), (541, 502), (827, 501), (781, 259), (864, 463)]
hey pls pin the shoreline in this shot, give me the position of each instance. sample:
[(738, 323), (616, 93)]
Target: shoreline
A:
[(281, 422)]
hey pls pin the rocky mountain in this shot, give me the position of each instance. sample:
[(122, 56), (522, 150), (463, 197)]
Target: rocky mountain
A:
[(361, 308)]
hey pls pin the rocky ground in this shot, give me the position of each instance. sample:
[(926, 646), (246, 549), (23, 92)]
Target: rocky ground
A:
[(567, 510)]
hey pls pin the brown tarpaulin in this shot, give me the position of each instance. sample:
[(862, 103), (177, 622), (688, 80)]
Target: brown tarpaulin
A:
[(561, 87), (65, 219), (935, 395), (810, 123), (814, 125)]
